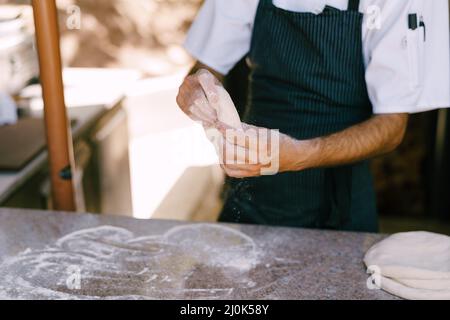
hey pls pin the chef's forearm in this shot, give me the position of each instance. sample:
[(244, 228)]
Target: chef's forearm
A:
[(377, 136), (198, 65)]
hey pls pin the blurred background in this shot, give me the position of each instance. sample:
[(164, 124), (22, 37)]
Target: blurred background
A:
[(137, 154)]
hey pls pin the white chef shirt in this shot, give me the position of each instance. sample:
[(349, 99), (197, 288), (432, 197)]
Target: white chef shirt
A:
[(405, 73)]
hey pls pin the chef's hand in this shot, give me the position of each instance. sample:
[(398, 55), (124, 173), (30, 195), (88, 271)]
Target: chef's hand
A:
[(255, 151), (198, 97)]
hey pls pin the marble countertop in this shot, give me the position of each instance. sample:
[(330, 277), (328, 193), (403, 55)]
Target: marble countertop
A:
[(44, 255)]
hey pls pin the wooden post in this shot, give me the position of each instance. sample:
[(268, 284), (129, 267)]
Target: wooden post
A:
[(59, 140)]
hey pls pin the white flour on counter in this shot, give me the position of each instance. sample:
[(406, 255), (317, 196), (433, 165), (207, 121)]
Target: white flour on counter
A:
[(198, 261)]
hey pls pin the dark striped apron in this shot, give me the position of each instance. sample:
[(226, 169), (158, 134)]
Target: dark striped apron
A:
[(307, 80)]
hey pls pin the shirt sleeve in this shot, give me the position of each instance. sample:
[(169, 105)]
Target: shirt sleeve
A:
[(221, 34), (407, 71)]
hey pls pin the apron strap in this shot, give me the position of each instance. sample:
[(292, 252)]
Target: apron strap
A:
[(353, 5), (266, 3)]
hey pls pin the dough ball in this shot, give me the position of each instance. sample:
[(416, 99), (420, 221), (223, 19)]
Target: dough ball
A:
[(227, 112), (412, 255)]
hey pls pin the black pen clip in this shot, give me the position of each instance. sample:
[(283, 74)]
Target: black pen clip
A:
[(412, 21)]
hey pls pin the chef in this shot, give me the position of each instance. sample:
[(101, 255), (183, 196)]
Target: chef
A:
[(338, 79)]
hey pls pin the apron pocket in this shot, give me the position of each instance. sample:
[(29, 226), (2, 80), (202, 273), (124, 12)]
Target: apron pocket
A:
[(339, 189)]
